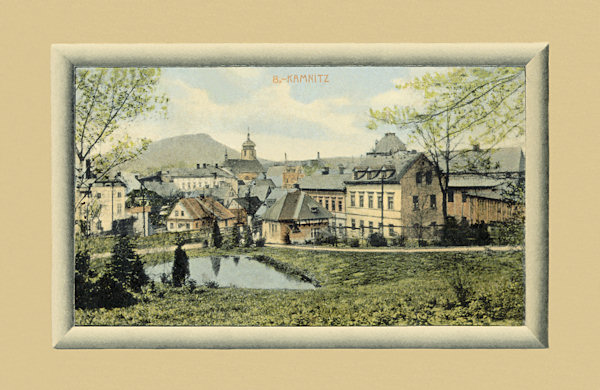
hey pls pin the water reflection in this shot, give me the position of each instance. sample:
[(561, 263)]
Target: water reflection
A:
[(234, 271)]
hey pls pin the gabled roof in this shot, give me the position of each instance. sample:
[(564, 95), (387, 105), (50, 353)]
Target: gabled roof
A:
[(201, 208), (509, 159), (392, 169), (276, 170), (164, 190), (250, 204), (320, 181), (296, 206), (238, 166), (472, 181)]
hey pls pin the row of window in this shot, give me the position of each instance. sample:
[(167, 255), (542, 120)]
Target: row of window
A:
[(119, 195), (330, 203), (179, 213), (370, 199)]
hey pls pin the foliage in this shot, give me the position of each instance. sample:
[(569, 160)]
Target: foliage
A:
[(354, 242), (125, 266), (377, 239), (476, 106), (286, 238), (248, 240), (217, 239), (235, 238), (460, 234), (105, 100), (326, 238), (512, 231), (83, 279), (181, 267), (398, 241), (358, 289), (260, 242)]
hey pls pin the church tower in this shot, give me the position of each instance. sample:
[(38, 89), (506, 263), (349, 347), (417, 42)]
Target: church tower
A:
[(248, 151)]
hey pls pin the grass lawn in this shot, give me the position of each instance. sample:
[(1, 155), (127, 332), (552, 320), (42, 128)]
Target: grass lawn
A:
[(357, 289)]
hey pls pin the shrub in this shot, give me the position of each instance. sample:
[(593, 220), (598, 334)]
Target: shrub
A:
[(181, 267), (398, 241), (286, 238), (83, 276), (217, 239), (260, 242), (325, 238), (248, 240), (377, 239), (211, 284), (354, 243)]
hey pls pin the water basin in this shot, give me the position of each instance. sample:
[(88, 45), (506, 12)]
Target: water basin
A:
[(233, 271)]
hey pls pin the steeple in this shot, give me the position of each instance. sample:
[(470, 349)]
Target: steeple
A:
[(248, 151)]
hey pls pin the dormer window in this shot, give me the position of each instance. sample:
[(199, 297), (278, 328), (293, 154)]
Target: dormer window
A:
[(314, 209)]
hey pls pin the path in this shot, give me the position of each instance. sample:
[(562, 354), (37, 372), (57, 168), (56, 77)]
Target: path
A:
[(334, 249)]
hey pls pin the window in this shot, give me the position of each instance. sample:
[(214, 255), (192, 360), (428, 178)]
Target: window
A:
[(176, 213), (428, 177), (392, 232), (370, 200), (119, 209), (353, 223), (361, 199), (390, 199), (415, 202), (352, 199), (464, 197), (362, 227), (432, 201), (119, 194), (99, 224), (187, 225), (381, 227), (340, 204), (419, 177), (179, 225), (171, 225), (370, 227), (327, 203), (182, 213), (98, 195), (379, 201), (450, 196)]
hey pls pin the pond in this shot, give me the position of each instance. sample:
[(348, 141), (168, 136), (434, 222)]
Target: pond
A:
[(233, 271)]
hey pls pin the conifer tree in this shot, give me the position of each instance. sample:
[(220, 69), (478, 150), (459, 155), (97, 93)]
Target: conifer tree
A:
[(217, 239)]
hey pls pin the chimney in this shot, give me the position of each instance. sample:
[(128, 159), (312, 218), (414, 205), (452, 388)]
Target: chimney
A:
[(318, 156), (341, 169)]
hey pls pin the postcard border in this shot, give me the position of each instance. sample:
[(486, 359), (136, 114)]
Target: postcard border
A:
[(534, 56)]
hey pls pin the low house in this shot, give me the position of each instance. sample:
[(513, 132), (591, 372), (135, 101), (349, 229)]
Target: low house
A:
[(141, 220), (476, 199), (294, 218), (198, 213), (244, 209)]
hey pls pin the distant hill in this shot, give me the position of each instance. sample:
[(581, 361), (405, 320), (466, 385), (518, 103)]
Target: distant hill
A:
[(184, 151)]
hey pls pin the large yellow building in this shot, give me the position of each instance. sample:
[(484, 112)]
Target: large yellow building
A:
[(393, 196), (99, 205)]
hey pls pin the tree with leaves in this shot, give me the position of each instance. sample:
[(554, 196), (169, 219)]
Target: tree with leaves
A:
[(462, 110), (106, 99)]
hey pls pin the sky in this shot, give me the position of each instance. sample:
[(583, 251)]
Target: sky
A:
[(300, 118)]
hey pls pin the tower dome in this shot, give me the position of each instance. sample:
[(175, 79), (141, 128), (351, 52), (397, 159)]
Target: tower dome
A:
[(248, 151)]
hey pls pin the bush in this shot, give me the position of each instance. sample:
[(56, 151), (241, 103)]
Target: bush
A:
[(217, 239), (260, 242), (377, 239), (248, 240), (211, 284), (354, 243), (83, 276), (181, 267), (398, 241), (325, 238)]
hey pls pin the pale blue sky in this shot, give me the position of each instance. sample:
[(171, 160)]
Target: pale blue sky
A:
[(299, 119)]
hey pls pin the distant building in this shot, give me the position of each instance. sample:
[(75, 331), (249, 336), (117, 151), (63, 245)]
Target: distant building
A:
[(190, 179), (295, 218), (100, 205), (389, 145), (141, 220), (291, 175), (329, 190), (198, 213), (247, 167)]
